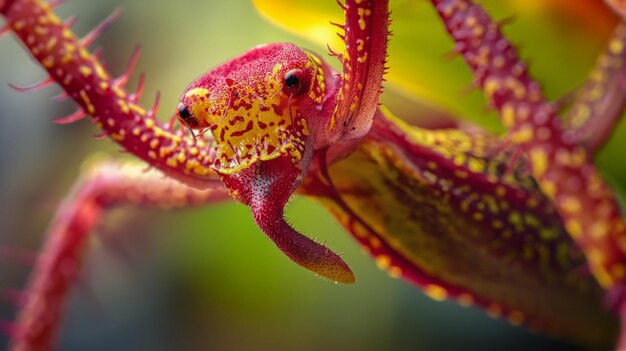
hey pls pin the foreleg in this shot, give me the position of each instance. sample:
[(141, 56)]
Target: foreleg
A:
[(104, 98), (104, 185)]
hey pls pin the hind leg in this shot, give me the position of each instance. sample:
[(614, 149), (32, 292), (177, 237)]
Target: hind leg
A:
[(104, 185)]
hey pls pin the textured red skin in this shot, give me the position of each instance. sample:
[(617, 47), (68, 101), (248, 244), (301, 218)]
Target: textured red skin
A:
[(106, 101), (592, 118), (562, 167), (266, 187), (597, 205), (248, 70), (366, 35), (257, 62)]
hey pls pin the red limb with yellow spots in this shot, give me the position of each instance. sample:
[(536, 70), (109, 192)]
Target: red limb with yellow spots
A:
[(475, 234), (365, 35), (103, 97), (103, 185), (435, 207), (602, 98), (561, 164)]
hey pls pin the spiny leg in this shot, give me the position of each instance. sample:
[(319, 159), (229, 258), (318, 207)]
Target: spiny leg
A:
[(104, 185), (365, 34), (601, 100), (563, 168), (104, 98)]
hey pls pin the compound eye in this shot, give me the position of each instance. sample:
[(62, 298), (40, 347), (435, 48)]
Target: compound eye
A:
[(295, 82)]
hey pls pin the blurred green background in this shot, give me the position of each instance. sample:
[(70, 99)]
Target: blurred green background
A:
[(202, 279)]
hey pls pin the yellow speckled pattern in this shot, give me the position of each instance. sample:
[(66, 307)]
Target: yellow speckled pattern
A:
[(252, 117), (467, 234)]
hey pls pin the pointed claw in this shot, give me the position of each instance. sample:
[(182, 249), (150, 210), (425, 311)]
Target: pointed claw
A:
[(266, 187), (132, 63), (101, 27), (76, 116), (27, 89)]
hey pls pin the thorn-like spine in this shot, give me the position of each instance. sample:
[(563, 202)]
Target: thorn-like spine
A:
[(470, 88), (506, 21), (76, 116), (61, 97), (37, 86), (333, 53), (338, 25), (132, 64), (451, 55), (101, 136), (140, 85), (70, 21), (155, 106), (101, 27)]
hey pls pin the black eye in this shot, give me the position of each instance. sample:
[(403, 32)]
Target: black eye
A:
[(296, 82), (291, 79), (183, 111)]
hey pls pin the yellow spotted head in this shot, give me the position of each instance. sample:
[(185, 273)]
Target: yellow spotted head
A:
[(264, 104)]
